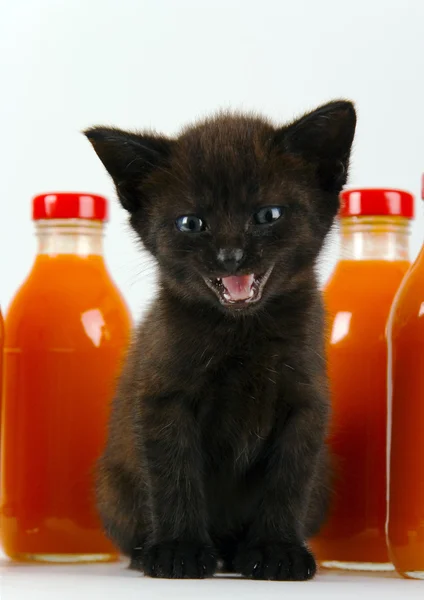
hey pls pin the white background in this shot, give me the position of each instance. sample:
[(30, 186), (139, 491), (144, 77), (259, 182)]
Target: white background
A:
[(67, 64)]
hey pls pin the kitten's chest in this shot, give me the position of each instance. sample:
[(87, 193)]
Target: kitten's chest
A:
[(242, 399)]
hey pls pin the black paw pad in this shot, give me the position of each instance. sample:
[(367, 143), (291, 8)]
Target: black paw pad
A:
[(179, 560), (280, 562)]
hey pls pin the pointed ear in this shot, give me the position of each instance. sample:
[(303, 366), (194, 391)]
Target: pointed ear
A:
[(323, 137), (129, 158)]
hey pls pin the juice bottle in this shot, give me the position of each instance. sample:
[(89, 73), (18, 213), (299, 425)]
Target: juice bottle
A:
[(374, 246), (66, 332), (405, 335), (1, 357)]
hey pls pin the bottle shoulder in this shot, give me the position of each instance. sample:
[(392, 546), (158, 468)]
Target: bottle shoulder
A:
[(64, 296), (353, 283), (407, 315), (358, 299)]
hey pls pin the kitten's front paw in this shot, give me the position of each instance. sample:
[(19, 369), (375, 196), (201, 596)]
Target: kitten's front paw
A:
[(280, 562), (179, 560)]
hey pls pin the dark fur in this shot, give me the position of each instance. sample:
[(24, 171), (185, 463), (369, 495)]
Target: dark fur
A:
[(216, 444)]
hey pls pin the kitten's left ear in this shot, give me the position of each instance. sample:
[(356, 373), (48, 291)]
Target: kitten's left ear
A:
[(324, 137), (129, 159)]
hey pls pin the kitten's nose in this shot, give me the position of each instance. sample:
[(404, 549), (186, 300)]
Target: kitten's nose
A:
[(230, 258)]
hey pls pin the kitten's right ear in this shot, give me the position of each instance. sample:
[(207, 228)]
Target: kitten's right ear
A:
[(324, 137), (129, 158)]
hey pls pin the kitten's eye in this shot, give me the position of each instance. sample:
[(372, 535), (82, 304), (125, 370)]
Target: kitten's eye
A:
[(190, 224), (268, 214)]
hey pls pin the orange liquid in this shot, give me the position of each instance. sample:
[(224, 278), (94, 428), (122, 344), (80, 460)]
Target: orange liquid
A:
[(66, 332), (1, 359), (406, 503), (358, 299)]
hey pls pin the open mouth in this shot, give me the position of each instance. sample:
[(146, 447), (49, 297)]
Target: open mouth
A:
[(239, 291)]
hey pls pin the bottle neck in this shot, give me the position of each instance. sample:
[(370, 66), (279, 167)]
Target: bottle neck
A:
[(81, 237), (374, 238)]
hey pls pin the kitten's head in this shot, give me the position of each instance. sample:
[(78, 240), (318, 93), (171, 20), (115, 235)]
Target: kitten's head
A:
[(234, 209)]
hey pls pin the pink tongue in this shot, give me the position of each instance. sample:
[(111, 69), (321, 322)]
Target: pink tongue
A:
[(238, 287)]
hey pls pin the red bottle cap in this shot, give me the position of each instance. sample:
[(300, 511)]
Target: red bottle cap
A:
[(376, 202), (69, 205)]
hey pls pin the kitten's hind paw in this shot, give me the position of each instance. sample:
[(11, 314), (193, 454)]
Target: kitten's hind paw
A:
[(278, 562), (136, 559), (179, 560)]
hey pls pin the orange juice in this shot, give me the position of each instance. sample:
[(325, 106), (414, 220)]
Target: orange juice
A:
[(358, 297), (1, 357), (405, 335), (66, 332)]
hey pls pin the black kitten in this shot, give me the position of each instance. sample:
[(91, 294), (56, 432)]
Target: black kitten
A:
[(216, 444)]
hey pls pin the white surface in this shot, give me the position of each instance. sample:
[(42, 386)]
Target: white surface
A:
[(31, 582), (67, 64)]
